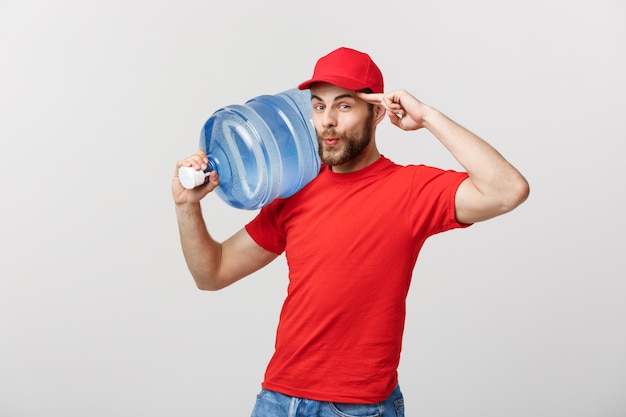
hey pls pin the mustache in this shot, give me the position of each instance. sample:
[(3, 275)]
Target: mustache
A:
[(329, 132)]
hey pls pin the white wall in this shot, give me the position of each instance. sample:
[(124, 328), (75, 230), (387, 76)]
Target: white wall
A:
[(519, 316)]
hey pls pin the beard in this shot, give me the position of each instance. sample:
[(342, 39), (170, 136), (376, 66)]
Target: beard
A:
[(349, 146)]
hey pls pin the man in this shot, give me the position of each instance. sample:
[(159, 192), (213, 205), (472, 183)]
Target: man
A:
[(351, 238)]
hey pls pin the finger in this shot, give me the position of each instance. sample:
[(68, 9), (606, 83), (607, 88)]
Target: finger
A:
[(392, 103), (372, 98), (394, 118), (214, 178), (202, 154), (213, 182), (195, 161)]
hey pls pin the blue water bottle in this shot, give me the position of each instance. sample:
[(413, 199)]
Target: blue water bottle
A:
[(262, 150)]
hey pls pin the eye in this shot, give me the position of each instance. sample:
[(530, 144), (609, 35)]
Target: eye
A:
[(344, 106), (318, 107)]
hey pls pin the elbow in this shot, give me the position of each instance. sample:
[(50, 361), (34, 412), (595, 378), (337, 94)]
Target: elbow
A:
[(206, 284), (517, 193), (205, 287)]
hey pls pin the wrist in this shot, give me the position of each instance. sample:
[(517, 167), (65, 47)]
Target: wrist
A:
[(430, 116), (188, 207)]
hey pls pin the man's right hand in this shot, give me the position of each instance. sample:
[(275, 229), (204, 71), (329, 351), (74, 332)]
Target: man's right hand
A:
[(198, 161)]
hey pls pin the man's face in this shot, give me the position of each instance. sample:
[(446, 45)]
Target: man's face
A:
[(343, 122)]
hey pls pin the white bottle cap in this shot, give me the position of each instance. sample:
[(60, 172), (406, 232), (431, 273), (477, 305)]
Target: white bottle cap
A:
[(190, 178)]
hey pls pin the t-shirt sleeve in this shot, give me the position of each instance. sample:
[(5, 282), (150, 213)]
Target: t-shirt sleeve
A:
[(434, 191), (264, 230)]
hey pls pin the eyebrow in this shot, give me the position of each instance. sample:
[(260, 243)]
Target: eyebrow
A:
[(339, 97)]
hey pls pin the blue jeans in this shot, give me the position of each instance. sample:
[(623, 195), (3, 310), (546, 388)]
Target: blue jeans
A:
[(274, 404)]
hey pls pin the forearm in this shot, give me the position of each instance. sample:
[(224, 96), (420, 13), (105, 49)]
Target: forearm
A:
[(202, 253)]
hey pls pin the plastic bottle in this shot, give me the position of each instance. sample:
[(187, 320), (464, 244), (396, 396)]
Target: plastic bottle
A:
[(262, 150)]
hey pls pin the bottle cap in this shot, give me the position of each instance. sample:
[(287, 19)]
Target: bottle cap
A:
[(190, 178)]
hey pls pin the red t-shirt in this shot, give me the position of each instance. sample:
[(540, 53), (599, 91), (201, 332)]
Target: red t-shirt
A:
[(351, 242)]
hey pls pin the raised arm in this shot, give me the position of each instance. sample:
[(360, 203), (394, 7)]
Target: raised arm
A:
[(213, 265), (494, 186)]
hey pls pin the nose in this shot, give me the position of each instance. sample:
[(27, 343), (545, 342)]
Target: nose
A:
[(329, 118)]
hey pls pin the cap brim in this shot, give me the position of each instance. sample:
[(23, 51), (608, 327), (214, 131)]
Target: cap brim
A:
[(347, 83)]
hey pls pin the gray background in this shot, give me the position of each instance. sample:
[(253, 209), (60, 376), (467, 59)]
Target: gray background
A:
[(519, 316)]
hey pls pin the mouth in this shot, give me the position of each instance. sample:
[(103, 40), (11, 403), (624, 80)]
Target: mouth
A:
[(330, 141)]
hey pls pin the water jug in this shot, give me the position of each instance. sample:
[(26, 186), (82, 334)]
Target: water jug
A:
[(262, 150)]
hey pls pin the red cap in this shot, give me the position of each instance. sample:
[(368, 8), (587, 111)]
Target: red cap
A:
[(349, 69)]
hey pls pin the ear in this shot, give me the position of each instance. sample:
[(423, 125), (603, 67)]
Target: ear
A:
[(379, 114)]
